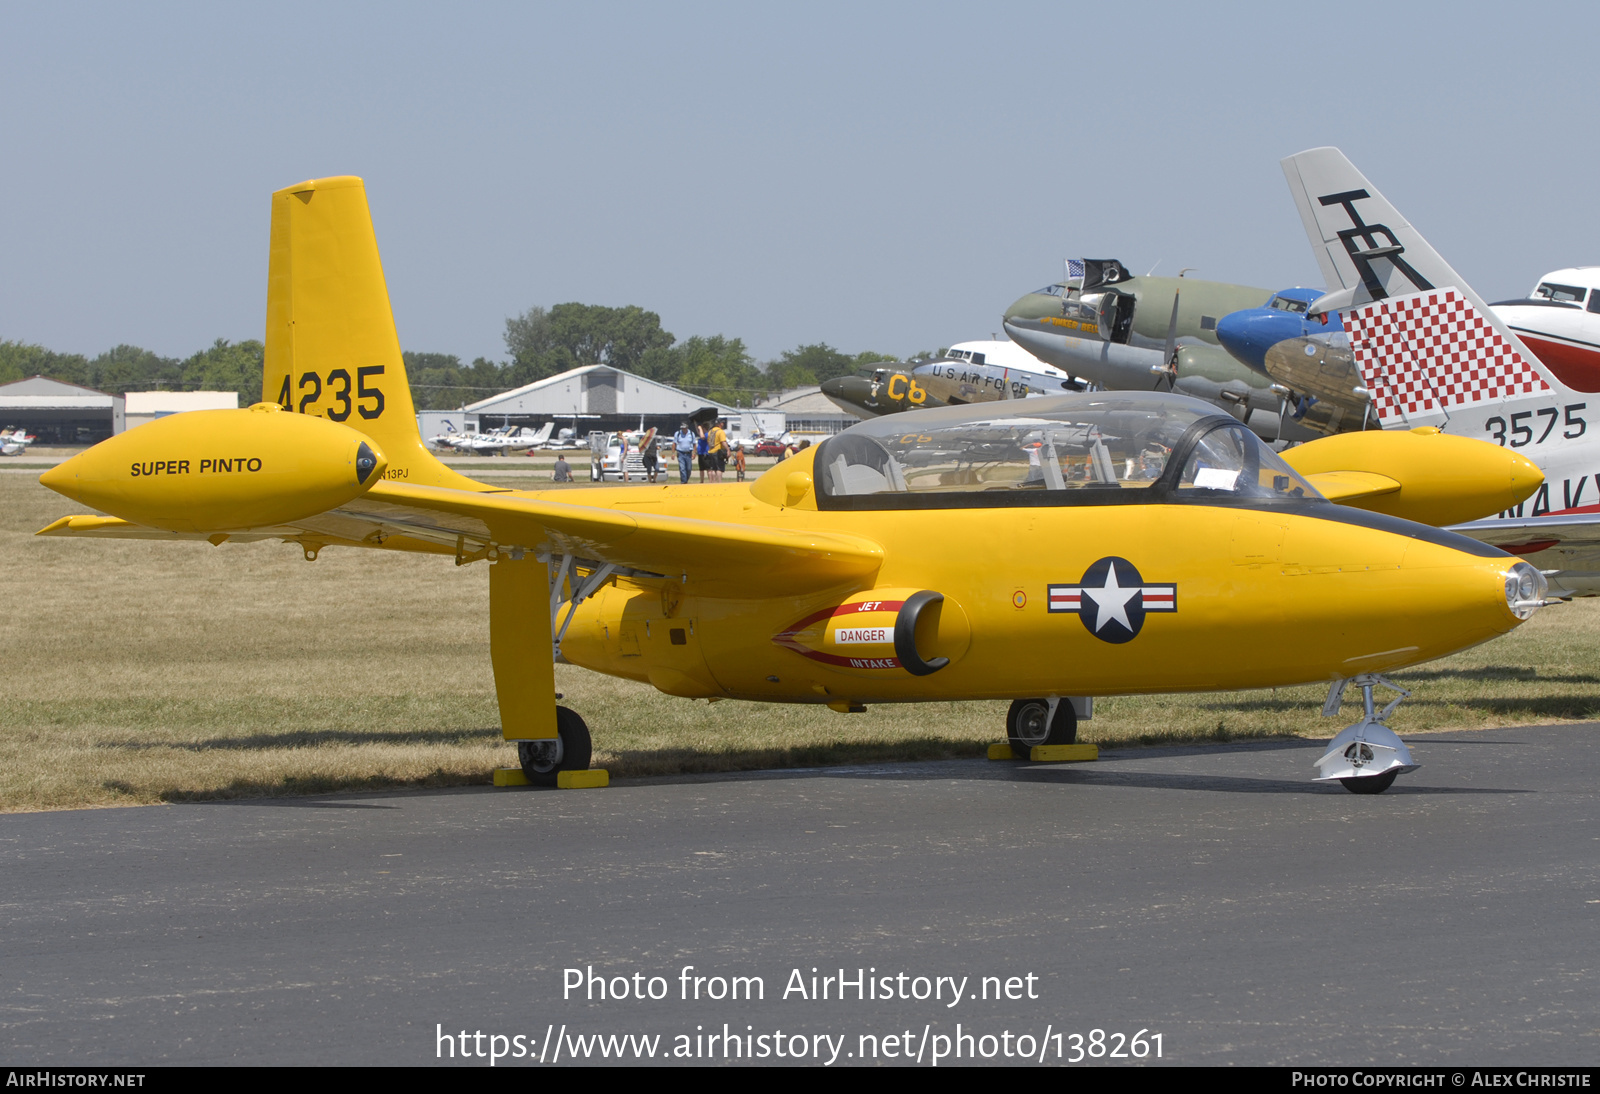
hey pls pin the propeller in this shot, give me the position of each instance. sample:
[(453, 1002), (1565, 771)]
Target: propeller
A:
[(1169, 356)]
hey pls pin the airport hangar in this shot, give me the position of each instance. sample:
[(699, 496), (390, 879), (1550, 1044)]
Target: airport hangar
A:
[(591, 398), (605, 398), (61, 413)]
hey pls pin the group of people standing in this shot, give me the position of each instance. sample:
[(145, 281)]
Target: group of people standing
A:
[(710, 447), (692, 443)]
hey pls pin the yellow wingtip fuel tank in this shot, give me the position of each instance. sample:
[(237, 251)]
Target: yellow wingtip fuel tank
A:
[(1437, 478), (222, 470)]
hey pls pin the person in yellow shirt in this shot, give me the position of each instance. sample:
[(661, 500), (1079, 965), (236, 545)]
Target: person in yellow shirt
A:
[(717, 443)]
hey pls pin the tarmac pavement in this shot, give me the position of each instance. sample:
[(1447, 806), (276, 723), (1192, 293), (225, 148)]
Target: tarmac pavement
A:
[(1212, 895)]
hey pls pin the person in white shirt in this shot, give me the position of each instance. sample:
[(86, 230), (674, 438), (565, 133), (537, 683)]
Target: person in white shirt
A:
[(683, 444)]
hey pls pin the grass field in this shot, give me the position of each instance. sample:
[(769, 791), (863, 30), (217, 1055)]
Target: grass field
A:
[(147, 672)]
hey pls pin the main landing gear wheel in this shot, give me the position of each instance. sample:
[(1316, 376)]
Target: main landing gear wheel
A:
[(1370, 784), (542, 761), (1028, 723)]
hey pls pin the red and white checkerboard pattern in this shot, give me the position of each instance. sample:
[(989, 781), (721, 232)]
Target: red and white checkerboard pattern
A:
[(1433, 351)]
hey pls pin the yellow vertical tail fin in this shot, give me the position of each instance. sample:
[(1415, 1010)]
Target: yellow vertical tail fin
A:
[(331, 346)]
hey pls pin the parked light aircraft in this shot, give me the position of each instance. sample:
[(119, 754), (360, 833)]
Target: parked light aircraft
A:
[(1127, 333), (1560, 322), (448, 438), (15, 441), (1131, 542), (500, 442), (1431, 353), (967, 372)]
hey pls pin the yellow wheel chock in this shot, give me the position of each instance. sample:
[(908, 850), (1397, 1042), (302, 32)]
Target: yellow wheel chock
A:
[(566, 780), (1048, 754)]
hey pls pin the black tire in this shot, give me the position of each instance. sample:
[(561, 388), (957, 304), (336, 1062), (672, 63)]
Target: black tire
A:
[(576, 750), (1370, 784), (1025, 726)]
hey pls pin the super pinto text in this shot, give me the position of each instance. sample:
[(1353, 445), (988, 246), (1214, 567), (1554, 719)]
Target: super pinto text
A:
[(219, 466)]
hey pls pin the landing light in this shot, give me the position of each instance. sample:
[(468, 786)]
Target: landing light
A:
[(1525, 590)]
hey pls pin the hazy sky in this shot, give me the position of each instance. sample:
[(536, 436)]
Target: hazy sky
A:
[(870, 175)]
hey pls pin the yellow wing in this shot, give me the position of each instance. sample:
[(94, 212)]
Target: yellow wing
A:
[(718, 558)]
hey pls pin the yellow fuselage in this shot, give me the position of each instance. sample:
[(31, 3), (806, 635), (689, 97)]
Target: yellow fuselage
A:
[(1246, 582)]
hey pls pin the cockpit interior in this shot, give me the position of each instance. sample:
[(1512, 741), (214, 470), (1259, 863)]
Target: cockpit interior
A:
[(1570, 295), (1127, 448)]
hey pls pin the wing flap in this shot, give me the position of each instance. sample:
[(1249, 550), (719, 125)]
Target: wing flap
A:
[(716, 556)]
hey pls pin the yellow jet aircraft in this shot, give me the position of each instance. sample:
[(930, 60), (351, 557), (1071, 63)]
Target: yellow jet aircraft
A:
[(1036, 550)]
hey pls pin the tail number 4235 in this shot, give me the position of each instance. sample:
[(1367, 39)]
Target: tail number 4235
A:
[(309, 388)]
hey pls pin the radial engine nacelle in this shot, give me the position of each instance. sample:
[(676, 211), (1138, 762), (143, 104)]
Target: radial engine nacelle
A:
[(222, 470)]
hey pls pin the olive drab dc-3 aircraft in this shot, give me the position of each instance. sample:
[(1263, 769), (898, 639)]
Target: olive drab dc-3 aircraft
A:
[(1127, 333), (1428, 352), (1132, 542)]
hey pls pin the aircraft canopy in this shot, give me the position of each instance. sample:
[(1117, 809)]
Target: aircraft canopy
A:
[(1094, 449)]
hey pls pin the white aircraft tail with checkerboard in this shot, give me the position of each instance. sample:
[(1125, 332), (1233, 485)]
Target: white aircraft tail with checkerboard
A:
[(1432, 353), (1428, 347)]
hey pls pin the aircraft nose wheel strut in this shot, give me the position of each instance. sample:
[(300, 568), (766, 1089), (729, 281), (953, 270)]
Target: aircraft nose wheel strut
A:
[(1367, 756)]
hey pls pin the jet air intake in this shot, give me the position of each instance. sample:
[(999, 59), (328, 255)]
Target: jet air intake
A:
[(883, 632)]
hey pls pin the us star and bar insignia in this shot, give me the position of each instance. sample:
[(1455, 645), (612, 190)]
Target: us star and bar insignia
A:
[(1113, 599)]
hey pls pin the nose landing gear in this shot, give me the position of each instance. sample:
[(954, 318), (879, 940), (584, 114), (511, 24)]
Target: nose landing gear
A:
[(1367, 756)]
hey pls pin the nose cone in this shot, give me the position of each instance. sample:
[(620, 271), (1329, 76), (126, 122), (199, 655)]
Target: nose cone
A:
[(1034, 305), (1525, 475), (1048, 344), (1249, 334), (851, 393), (63, 477)]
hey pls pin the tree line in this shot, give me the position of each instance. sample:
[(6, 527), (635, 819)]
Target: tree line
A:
[(225, 366), (539, 343)]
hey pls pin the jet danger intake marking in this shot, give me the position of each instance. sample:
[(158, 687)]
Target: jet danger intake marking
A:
[(1113, 599), (797, 639)]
